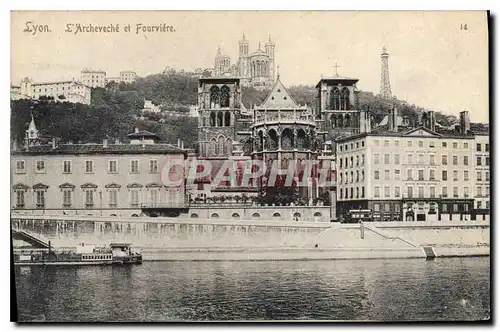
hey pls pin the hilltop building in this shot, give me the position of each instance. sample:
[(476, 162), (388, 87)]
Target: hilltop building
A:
[(70, 91)]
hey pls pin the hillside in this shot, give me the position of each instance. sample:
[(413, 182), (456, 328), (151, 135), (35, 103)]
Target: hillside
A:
[(114, 111)]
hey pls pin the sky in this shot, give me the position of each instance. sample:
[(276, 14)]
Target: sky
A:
[(433, 62)]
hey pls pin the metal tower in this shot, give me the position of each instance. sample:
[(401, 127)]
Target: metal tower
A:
[(385, 83)]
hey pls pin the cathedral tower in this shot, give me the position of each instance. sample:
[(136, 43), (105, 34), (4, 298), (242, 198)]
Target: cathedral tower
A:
[(270, 52), (243, 57)]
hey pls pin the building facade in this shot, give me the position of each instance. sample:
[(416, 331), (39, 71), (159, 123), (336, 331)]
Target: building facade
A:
[(95, 179), (128, 76), (70, 91), (256, 69), (481, 174), (93, 78), (410, 174)]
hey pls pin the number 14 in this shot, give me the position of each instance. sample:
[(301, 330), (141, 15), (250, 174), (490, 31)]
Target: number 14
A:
[(463, 26)]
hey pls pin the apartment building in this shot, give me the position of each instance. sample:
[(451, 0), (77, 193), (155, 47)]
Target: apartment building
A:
[(93, 78), (70, 91), (411, 174), (105, 179)]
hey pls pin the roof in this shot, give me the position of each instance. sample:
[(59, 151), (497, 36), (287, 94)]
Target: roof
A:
[(382, 131), (143, 134), (278, 98), (92, 149), (218, 79), (337, 79)]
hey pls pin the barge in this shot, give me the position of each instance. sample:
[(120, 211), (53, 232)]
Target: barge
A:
[(114, 254)]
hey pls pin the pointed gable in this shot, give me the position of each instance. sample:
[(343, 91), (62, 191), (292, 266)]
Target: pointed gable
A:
[(421, 132), (279, 98)]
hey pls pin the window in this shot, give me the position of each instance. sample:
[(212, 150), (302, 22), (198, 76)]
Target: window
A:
[(487, 147), (466, 175), (134, 166), (362, 159), (376, 159), (134, 198), (479, 176), (487, 191), (386, 175), (40, 166), (455, 207), (20, 166), (487, 161), (432, 174), (387, 191), (357, 160), (396, 158), (397, 174), (466, 191), (89, 198), (432, 144), (432, 159), (478, 161), (409, 175), (376, 142), (67, 166), (357, 145), (444, 144), (420, 191), (19, 199), (362, 143), (376, 175), (362, 191), (113, 198), (478, 191), (386, 158), (432, 192), (409, 143), (396, 143), (410, 159), (487, 176), (444, 191), (386, 143), (455, 192), (455, 145), (420, 174), (444, 207), (40, 199), (376, 192), (340, 177), (478, 147), (376, 207), (387, 207), (397, 192), (487, 204), (466, 145), (444, 175), (67, 197), (455, 175), (420, 144), (89, 166), (455, 160), (153, 196), (153, 166), (466, 160), (112, 166), (340, 165), (444, 159), (409, 191)]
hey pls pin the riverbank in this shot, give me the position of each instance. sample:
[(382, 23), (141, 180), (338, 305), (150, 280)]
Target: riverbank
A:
[(181, 239)]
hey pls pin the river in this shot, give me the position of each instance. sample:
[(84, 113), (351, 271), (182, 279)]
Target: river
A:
[(380, 290)]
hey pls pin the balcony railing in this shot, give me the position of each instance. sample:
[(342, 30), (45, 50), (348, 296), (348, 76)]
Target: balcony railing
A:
[(285, 117)]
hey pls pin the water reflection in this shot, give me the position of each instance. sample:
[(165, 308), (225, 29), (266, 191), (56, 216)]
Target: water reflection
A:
[(448, 289)]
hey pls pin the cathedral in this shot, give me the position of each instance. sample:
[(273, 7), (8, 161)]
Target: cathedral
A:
[(255, 69)]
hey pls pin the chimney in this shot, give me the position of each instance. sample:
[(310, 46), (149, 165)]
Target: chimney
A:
[(464, 122), (395, 119), (406, 121), (419, 119), (362, 122), (431, 118), (105, 143)]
